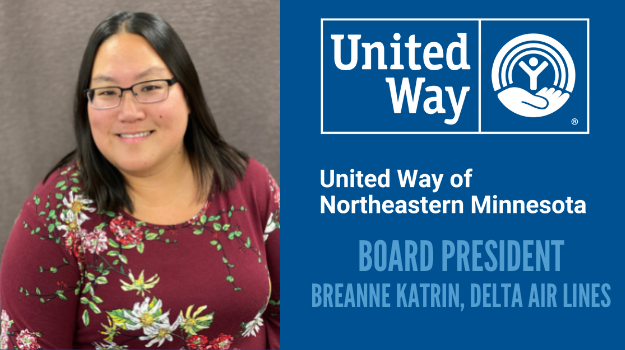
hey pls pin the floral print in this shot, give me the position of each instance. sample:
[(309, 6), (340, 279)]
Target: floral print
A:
[(221, 342), (27, 340), (160, 332), (253, 326), (4, 327), (197, 342), (100, 247), (127, 232), (95, 242)]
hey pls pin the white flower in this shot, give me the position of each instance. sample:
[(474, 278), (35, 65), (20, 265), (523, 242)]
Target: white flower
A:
[(271, 226), (77, 205), (145, 317), (110, 345), (253, 326), (160, 332), (70, 221)]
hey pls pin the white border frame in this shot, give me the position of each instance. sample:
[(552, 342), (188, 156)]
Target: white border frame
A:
[(479, 132)]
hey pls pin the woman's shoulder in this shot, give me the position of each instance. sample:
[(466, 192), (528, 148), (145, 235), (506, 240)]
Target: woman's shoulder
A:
[(57, 191)]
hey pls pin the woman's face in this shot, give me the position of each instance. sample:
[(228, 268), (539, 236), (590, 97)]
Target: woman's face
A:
[(138, 139)]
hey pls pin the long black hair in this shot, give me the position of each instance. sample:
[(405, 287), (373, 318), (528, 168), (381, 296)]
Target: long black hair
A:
[(205, 146)]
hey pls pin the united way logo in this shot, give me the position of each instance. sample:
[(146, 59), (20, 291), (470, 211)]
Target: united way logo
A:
[(533, 54)]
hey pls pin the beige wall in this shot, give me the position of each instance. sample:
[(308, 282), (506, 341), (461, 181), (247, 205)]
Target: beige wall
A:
[(235, 46)]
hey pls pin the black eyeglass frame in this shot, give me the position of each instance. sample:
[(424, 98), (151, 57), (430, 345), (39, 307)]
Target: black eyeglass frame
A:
[(170, 82)]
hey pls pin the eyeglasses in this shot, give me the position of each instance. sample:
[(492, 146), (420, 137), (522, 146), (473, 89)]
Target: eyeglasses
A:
[(151, 91)]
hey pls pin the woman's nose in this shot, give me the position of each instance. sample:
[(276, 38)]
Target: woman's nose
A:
[(130, 108)]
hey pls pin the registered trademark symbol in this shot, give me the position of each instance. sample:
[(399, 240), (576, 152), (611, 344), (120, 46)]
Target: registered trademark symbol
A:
[(574, 121)]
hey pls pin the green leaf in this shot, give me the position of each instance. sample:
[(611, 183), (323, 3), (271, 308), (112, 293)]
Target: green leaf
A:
[(229, 214), (85, 317), (42, 300), (63, 188), (84, 300), (211, 218), (224, 260), (26, 291), (87, 288), (141, 223), (230, 265), (232, 208), (161, 231), (65, 261), (48, 205), (217, 226), (97, 299), (58, 196), (112, 252), (58, 240), (129, 246), (42, 213), (203, 219), (198, 231), (242, 208), (217, 217), (90, 276), (231, 236), (76, 173), (38, 291), (236, 289), (259, 260), (115, 262), (248, 243), (50, 227), (62, 297), (113, 244), (75, 188), (123, 258), (101, 280), (36, 199), (140, 247), (238, 233), (53, 269), (37, 229), (167, 240), (21, 289), (75, 180), (94, 307), (230, 279), (214, 242), (151, 236), (226, 227), (110, 213), (40, 269), (218, 247), (52, 213)]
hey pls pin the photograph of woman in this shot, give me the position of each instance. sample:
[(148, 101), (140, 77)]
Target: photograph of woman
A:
[(154, 232)]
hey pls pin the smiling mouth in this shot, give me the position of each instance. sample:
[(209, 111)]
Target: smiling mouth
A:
[(140, 134)]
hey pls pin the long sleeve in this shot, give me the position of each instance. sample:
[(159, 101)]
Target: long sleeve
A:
[(39, 277), (272, 247)]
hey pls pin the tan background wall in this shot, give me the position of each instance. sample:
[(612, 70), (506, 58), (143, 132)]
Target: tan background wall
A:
[(235, 46)]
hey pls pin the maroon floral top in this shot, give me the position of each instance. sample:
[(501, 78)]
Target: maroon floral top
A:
[(74, 276)]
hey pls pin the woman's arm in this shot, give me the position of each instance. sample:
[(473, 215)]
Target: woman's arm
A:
[(39, 277), (272, 247)]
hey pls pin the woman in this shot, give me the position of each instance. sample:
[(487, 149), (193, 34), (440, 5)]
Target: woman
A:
[(154, 232)]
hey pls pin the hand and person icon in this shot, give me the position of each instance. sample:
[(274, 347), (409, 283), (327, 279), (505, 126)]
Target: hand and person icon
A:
[(522, 102)]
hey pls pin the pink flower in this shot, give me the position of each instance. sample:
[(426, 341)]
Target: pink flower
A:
[(4, 339), (95, 242), (126, 231), (27, 340), (274, 188), (222, 342)]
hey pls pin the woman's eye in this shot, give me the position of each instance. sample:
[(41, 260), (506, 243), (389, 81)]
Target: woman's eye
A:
[(150, 88), (106, 93)]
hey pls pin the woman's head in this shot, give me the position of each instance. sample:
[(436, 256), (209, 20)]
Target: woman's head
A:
[(130, 48)]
